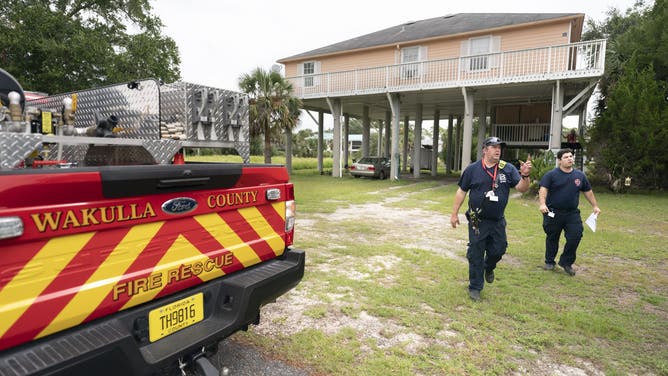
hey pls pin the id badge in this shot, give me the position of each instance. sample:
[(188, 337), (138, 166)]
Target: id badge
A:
[(492, 196)]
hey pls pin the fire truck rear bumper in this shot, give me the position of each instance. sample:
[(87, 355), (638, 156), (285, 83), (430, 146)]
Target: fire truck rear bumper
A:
[(119, 344)]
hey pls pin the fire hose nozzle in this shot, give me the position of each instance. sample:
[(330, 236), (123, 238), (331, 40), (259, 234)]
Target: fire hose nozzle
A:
[(105, 127)]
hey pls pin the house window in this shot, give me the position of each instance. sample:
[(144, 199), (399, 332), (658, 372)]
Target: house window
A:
[(479, 46), (482, 53), (308, 71), (410, 55)]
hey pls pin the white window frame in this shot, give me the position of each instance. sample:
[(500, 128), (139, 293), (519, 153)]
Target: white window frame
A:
[(484, 44), (309, 80), (412, 54), (482, 59)]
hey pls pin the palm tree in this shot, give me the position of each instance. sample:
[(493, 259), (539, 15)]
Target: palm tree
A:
[(290, 122), (273, 109)]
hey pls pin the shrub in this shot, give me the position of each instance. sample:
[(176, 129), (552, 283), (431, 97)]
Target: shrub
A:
[(544, 161)]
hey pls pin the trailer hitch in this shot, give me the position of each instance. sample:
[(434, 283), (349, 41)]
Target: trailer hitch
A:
[(200, 365)]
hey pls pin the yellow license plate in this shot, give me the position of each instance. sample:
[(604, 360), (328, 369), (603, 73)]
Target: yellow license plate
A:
[(175, 316)]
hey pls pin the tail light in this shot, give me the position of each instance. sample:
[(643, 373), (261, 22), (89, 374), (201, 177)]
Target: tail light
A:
[(290, 212), (372, 168)]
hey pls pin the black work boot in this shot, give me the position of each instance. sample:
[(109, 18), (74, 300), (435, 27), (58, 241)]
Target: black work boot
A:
[(568, 269), (489, 276)]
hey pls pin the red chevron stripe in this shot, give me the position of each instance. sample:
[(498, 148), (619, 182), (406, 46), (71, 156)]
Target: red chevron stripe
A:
[(142, 266), (207, 245), (64, 287), (15, 257), (248, 235), (154, 252), (275, 220)]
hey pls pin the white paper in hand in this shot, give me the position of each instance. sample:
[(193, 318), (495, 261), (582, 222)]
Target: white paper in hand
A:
[(591, 222)]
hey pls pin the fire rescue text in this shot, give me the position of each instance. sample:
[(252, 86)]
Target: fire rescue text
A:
[(160, 279)]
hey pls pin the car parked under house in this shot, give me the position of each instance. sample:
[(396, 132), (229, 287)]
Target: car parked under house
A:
[(372, 167)]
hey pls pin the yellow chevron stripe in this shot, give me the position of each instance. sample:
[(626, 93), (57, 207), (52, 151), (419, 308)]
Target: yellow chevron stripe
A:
[(263, 228), (222, 232), (22, 291), (279, 207), (100, 284)]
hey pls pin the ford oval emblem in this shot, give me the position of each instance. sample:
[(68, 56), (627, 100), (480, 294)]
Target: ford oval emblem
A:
[(179, 205)]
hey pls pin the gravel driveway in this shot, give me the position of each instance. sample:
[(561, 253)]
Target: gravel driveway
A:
[(244, 360)]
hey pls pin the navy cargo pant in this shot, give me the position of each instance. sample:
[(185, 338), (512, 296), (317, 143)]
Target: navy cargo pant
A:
[(485, 249), (570, 223)]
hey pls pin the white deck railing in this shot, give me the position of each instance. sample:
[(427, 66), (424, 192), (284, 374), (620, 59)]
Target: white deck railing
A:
[(533, 134), (575, 60)]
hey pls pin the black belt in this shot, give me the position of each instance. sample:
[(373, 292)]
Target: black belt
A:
[(565, 211), (491, 219)]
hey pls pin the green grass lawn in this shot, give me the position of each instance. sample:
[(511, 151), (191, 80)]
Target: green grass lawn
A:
[(611, 318)]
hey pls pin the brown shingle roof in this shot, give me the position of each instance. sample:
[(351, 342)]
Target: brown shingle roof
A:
[(431, 28)]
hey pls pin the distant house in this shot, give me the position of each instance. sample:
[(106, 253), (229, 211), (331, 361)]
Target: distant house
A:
[(525, 72), (354, 142)]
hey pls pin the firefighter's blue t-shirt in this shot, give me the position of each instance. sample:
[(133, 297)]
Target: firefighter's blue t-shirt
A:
[(563, 188), (477, 181)]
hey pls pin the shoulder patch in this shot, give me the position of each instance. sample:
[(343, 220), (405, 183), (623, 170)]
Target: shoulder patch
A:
[(502, 164)]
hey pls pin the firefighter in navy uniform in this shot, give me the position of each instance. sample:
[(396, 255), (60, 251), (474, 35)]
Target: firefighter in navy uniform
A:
[(558, 197), (489, 181)]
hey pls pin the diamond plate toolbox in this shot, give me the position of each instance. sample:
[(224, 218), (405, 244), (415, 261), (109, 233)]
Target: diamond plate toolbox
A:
[(166, 117)]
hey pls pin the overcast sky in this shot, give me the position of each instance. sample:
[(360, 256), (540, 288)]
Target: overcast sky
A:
[(219, 40)]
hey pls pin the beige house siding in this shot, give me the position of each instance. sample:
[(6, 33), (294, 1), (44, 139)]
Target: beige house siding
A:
[(443, 49), (544, 36), (367, 59), (516, 38)]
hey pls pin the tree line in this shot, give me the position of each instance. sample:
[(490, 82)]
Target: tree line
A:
[(58, 46), (629, 133)]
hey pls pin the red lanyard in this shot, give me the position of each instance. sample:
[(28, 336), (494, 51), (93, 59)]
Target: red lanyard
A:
[(496, 169)]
